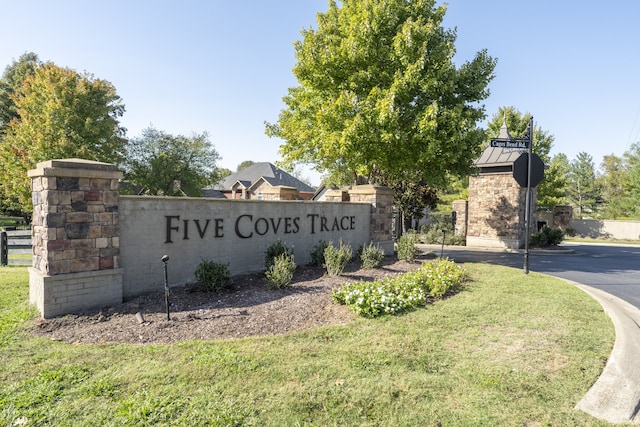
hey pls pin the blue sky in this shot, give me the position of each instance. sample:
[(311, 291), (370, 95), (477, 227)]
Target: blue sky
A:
[(223, 66)]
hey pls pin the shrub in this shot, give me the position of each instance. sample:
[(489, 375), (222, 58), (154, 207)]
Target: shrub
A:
[(317, 253), (432, 234), (406, 246), (276, 249), (371, 256), (280, 274), (547, 237), (406, 291), (336, 259), (571, 232), (212, 276)]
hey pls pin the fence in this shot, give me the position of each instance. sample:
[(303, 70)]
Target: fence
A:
[(15, 242)]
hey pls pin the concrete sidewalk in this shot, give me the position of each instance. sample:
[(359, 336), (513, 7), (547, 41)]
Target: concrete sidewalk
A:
[(615, 396)]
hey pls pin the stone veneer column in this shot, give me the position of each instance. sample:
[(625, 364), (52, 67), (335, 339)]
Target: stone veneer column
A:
[(460, 207), (496, 211), (75, 235), (381, 199)]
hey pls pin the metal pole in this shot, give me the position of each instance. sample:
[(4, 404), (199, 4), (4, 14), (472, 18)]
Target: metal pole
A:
[(444, 237), (165, 259), (527, 214)]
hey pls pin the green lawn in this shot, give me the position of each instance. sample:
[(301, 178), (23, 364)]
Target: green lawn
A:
[(509, 350)]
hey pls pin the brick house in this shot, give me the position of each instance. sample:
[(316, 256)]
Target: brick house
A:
[(264, 181)]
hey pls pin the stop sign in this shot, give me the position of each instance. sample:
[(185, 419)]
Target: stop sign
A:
[(520, 167)]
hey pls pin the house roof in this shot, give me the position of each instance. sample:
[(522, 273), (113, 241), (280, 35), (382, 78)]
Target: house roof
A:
[(496, 156), (267, 171)]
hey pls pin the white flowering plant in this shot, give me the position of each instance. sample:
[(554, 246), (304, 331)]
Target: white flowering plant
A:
[(407, 291)]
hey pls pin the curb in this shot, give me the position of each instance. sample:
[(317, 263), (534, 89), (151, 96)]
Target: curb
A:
[(615, 396)]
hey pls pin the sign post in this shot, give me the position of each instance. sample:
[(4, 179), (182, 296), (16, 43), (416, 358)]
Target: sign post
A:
[(524, 143), (527, 214)]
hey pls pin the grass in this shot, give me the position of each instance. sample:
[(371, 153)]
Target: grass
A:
[(511, 349)]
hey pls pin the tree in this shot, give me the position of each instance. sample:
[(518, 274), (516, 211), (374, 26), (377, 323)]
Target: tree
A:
[(553, 188), (10, 83), (165, 164), (413, 198), (613, 180), (59, 114), (245, 164), (582, 190), (380, 97)]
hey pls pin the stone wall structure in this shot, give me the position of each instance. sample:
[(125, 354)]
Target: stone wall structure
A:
[(461, 208), (75, 236), (93, 248), (497, 203), (497, 211), (381, 200)]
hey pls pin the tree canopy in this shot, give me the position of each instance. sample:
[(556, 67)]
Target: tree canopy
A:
[(582, 190), (161, 163), (58, 114), (380, 97), (10, 83)]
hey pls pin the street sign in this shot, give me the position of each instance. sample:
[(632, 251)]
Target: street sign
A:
[(517, 143), (520, 167)]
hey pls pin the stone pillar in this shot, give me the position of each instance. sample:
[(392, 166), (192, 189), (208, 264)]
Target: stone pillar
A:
[(496, 211), (75, 235), (381, 200), (460, 207)]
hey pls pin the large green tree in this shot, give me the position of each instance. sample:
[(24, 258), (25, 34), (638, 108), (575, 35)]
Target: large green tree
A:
[(10, 83), (614, 182), (161, 163), (552, 191), (583, 191), (59, 114), (380, 97)]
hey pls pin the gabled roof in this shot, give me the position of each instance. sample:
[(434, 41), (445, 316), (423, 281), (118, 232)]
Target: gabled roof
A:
[(496, 156), (269, 172)]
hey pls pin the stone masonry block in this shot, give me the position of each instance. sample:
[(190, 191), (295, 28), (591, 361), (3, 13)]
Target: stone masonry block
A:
[(84, 264), (95, 231), (92, 196), (82, 243), (110, 198), (77, 230), (79, 217), (67, 183)]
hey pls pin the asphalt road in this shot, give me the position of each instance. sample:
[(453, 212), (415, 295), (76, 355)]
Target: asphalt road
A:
[(614, 269)]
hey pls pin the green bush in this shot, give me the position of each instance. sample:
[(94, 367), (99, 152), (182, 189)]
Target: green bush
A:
[(280, 274), (571, 232), (336, 259), (547, 237), (317, 253), (371, 256), (212, 276), (406, 246), (275, 250), (404, 292)]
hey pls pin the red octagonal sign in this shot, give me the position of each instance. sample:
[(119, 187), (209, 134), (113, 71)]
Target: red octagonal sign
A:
[(520, 170)]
